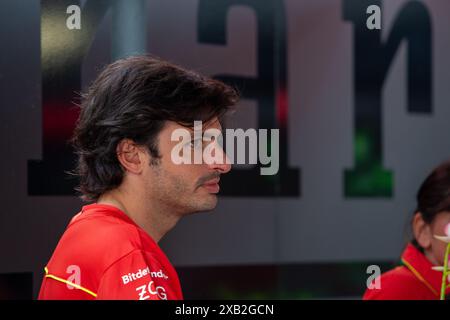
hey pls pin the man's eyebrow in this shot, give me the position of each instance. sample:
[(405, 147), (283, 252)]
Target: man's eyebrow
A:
[(209, 135), (204, 131)]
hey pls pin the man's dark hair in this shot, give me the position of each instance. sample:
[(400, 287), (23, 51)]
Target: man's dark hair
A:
[(131, 99), (433, 196)]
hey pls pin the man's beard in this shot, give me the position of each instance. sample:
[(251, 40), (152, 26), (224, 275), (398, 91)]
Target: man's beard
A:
[(178, 195)]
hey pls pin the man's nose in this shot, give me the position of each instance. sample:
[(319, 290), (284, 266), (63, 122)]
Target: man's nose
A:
[(224, 165)]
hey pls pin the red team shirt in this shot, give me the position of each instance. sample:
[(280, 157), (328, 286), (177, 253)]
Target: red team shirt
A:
[(103, 254), (415, 280)]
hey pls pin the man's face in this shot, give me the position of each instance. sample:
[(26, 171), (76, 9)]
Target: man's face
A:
[(187, 188)]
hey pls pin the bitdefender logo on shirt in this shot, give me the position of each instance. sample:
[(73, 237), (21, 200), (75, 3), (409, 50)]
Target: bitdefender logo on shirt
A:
[(127, 278)]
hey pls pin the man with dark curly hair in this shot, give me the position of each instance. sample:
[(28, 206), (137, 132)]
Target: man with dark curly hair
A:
[(123, 140)]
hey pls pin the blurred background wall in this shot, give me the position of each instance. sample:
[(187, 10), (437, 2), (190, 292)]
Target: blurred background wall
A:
[(363, 117)]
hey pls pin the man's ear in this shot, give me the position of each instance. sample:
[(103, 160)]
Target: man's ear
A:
[(130, 156), (422, 231)]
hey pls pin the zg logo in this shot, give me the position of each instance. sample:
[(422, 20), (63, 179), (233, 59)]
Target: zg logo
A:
[(159, 291)]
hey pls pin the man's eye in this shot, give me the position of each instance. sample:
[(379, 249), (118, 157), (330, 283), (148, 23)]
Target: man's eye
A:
[(196, 143)]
